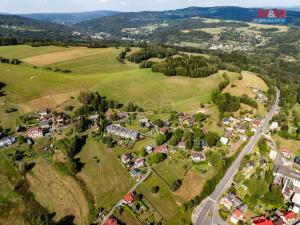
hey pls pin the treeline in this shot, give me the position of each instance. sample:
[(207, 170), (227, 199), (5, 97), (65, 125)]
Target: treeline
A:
[(12, 61), (184, 65), (8, 41), (151, 52)]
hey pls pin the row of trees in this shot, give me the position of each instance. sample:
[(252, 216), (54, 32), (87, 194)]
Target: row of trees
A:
[(188, 66), (12, 61), (150, 52)]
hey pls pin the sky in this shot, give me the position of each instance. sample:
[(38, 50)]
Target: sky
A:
[(40, 6)]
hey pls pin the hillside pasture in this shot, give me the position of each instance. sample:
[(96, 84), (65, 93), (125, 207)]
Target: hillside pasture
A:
[(103, 175), (55, 57), (58, 192), (26, 51)]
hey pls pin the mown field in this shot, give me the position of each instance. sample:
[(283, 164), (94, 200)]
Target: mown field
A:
[(104, 176)]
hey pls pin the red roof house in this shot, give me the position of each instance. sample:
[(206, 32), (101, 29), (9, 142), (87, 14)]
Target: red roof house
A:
[(262, 221), (129, 198), (289, 216), (110, 221), (161, 149), (164, 130)]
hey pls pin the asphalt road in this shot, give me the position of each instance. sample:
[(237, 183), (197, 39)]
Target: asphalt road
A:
[(204, 213)]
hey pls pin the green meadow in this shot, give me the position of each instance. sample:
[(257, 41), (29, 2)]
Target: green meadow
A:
[(27, 87)]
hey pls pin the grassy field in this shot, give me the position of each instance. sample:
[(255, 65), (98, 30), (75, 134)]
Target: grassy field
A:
[(106, 180), (26, 51), (63, 196), (40, 88), (245, 86), (11, 204), (165, 202), (292, 145)]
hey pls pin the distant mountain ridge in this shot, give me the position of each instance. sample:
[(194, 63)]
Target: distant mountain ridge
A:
[(69, 18)]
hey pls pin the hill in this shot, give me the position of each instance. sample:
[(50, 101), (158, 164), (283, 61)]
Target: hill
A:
[(69, 18), (25, 28), (115, 24)]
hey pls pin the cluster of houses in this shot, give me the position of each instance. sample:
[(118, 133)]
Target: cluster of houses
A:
[(260, 95), (287, 218), (239, 127), (232, 202), (134, 165)]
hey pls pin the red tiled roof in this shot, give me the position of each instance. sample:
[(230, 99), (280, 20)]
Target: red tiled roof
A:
[(110, 221), (262, 221), (164, 130), (237, 213), (257, 122), (161, 149), (129, 198), (290, 215), (285, 150)]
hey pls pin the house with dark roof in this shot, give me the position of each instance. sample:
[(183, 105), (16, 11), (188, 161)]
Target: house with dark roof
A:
[(7, 141)]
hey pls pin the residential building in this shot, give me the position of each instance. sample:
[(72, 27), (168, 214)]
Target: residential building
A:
[(161, 149), (164, 130), (45, 124), (110, 221), (287, 173), (182, 145), (7, 141), (227, 203), (126, 158), (296, 201), (44, 112), (224, 140), (122, 132), (236, 216), (138, 163), (35, 133), (197, 157), (128, 199), (274, 126), (262, 221), (272, 154), (149, 149)]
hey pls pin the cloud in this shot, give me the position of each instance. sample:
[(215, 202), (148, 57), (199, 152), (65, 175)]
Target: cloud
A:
[(123, 3), (103, 1)]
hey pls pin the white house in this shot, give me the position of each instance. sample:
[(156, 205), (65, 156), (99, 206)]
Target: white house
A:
[(273, 154), (296, 201), (224, 140), (8, 141), (274, 126)]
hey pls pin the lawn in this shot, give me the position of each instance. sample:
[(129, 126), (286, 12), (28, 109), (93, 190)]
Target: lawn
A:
[(57, 192), (102, 61), (103, 175), (165, 202), (292, 145)]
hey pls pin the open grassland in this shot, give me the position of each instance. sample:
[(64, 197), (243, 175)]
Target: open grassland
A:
[(68, 55), (292, 145), (26, 51), (11, 204), (58, 192), (101, 61), (103, 174), (30, 89)]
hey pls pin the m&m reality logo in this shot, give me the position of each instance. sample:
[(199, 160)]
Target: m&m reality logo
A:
[(271, 16)]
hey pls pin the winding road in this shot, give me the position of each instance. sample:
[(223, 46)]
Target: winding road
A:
[(205, 213)]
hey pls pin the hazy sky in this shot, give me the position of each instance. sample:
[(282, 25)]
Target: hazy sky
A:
[(25, 6)]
